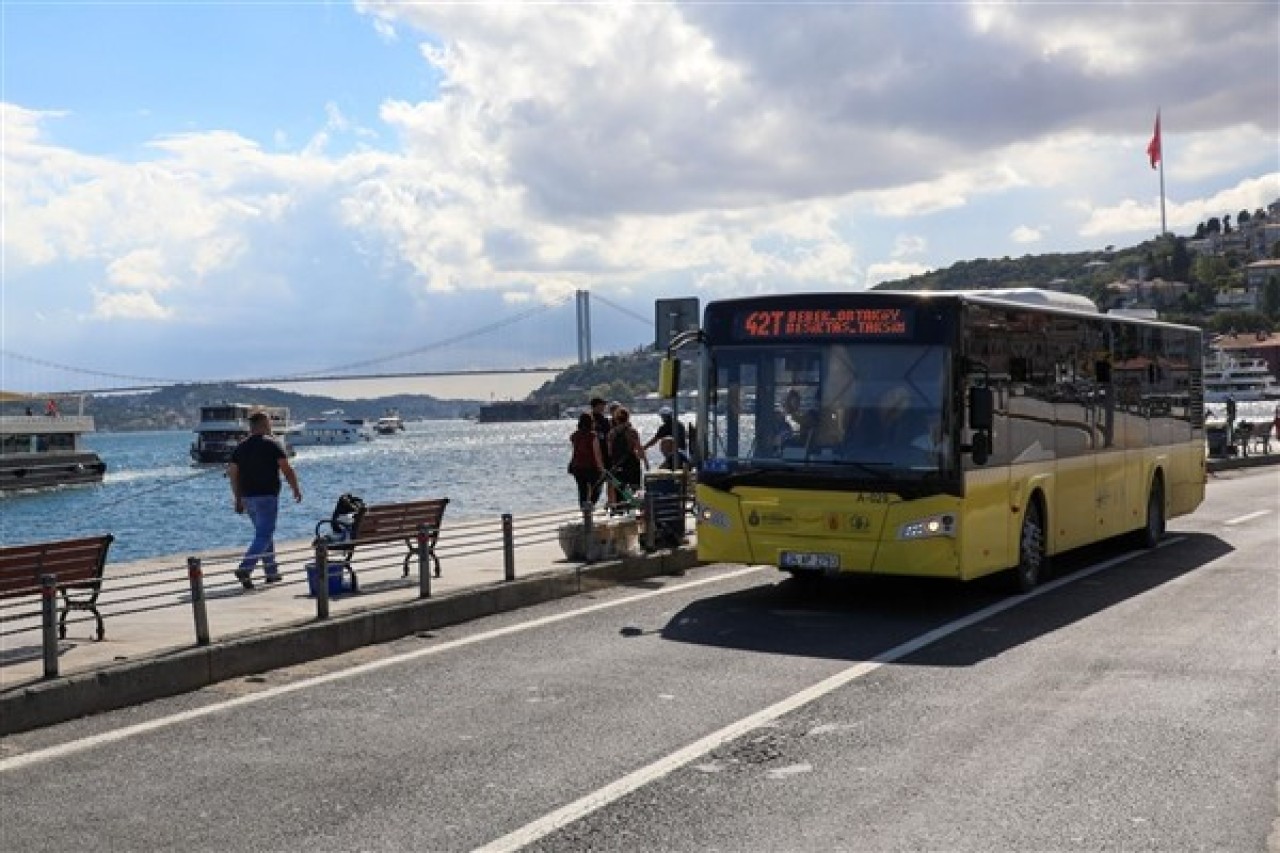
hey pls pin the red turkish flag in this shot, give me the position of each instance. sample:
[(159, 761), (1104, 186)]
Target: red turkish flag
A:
[(1153, 147)]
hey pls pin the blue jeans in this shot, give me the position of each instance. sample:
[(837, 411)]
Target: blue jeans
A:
[(262, 511)]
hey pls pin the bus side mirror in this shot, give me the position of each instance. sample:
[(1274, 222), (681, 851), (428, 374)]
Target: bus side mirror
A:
[(980, 449), (981, 409), (669, 377), (981, 421)]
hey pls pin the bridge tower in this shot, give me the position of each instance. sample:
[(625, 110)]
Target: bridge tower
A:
[(584, 326)]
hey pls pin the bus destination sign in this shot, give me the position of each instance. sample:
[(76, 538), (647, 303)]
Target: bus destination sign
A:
[(824, 323)]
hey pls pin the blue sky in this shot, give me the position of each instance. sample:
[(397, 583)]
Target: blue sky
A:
[(222, 190)]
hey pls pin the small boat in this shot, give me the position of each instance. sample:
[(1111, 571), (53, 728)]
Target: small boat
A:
[(1243, 379), (331, 428), (42, 451), (389, 424), (224, 425)]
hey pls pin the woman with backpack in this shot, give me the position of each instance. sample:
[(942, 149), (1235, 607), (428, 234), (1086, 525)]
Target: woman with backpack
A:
[(586, 465), (626, 453)]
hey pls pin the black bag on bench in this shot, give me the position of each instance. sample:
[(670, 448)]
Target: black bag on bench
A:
[(343, 523)]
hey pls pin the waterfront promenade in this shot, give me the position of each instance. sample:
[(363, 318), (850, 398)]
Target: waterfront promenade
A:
[(151, 647)]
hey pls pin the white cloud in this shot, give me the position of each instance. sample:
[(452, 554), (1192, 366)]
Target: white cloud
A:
[(893, 270), (1027, 234), (642, 150), (127, 306)]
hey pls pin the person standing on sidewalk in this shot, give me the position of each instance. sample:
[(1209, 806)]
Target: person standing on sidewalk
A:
[(254, 472)]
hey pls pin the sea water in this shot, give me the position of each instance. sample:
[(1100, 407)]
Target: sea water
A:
[(157, 503)]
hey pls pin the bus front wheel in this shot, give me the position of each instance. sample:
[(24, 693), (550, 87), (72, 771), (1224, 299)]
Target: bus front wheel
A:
[(1149, 535), (1031, 557)]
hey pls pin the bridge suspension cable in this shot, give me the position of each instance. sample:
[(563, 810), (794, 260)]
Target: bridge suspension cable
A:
[(327, 372), (483, 330), (648, 321)]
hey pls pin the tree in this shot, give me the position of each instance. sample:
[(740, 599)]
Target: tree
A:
[(1271, 297), (1226, 224), (1213, 271), (1242, 217), (1214, 225), (1240, 322), (1180, 261), (1201, 231)]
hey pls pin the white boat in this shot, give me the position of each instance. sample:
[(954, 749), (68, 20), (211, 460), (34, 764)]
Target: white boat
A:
[(1240, 377), (331, 428), (389, 424), (43, 450), (224, 425)]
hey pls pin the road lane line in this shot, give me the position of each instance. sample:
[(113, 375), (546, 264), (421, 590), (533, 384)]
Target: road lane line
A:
[(62, 750), (1241, 519), (598, 799)]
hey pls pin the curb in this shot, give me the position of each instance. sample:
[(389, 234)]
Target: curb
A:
[(183, 671), (1230, 463)]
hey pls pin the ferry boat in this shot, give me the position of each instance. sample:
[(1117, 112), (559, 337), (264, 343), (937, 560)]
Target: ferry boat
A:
[(329, 429), (224, 425), (389, 424), (43, 450), (1242, 378)]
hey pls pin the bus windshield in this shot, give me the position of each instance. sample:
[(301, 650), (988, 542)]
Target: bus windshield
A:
[(849, 409)]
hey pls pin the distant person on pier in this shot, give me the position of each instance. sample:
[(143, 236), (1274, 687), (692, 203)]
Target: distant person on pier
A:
[(254, 472), (587, 464), (51, 408)]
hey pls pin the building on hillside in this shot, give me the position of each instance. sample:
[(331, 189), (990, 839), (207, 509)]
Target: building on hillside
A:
[(1263, 345), (1257, 273), (1156, 292)]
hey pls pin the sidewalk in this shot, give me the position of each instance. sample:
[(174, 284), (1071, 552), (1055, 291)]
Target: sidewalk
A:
[(150, 648)]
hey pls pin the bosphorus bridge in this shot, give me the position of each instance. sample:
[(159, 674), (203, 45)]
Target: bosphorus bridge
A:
[(24, 373)]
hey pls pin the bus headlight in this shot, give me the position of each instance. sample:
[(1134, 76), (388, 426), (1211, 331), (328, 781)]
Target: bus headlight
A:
[(928, 528), (713, 517)]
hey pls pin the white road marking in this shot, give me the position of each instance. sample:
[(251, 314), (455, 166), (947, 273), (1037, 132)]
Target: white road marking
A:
[(1241, 519), (62, 750), (561, 817)]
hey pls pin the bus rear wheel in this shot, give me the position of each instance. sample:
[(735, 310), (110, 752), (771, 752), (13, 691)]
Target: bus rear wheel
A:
[(1149, 535), (1031, 556)]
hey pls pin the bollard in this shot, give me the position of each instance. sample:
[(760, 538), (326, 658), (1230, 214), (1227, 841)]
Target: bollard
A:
[(48, 611), (424, 564), (322, 579), (196, 577), (650, 521), (508, 548)]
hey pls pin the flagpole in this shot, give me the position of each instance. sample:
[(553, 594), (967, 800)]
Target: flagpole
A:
[(1164, 229)]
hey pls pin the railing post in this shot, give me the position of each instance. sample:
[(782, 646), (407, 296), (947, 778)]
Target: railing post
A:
[(196, 576), (49, 616), (424, 564), (589, 550), (322, 579), (508, 548)]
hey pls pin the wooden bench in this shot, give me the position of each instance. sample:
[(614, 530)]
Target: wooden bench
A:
[(381, 523), (75, 564)]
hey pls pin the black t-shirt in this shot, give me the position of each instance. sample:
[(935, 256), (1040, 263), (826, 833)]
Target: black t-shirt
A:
[(664, 430), (258, 460)]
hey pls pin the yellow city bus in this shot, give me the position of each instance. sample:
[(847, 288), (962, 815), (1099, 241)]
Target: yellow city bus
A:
[(939, 434)]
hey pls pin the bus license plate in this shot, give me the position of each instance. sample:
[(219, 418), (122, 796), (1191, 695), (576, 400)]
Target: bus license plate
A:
[(809, 560)]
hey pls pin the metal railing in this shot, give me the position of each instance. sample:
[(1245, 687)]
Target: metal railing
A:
[(146, 590)]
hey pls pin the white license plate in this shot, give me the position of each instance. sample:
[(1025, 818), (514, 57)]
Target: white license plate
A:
[(808, 560)]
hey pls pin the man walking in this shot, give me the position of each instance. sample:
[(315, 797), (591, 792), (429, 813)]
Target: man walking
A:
[(255, 469)]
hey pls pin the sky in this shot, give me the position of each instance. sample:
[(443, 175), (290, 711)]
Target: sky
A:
[(215, 191)]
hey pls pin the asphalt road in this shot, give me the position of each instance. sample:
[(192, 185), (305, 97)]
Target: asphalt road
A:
[(1131, 704)]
